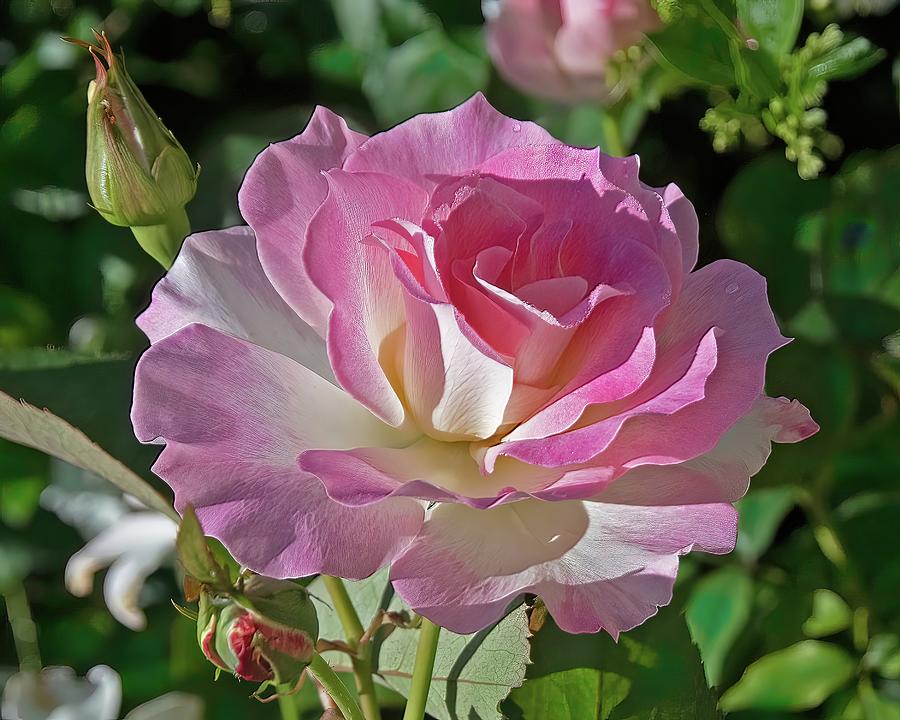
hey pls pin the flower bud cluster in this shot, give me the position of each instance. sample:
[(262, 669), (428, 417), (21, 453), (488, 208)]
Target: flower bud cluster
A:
[(792, 114)]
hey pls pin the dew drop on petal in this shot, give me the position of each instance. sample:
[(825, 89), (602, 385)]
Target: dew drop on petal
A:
[(731, 289), (516, 127)]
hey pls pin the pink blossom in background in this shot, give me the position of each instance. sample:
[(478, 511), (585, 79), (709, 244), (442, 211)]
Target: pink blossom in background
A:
[(467, 350), (559, 49)]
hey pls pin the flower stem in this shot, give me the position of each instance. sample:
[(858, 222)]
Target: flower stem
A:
[(162, 242), (422, 670), (288, 706), (612, 138), (24, 631), (353, 630), (339, 692)]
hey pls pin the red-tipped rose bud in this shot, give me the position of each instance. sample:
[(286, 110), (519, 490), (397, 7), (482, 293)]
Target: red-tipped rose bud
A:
[(268, 632), (138, 175)]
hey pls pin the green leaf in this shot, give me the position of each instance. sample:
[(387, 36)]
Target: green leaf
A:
[(49, 359), (757, 72), (847, 60), (875, 705), (766, 240), (719, 608), (857, 240), (472, 673), (883, 654), (696, 47), (862, 321), (868, 532), (799, 677), (92, 393), (195, 555), (19, 498), (830, 614), (760, 513), (44, 431), (774, 24), (813, 323), (427, 73), (359, 22), (654, 671)]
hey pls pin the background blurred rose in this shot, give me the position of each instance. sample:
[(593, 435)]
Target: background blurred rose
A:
[(559, 49)]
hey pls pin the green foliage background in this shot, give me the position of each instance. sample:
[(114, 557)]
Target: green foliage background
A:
[(803, 620)]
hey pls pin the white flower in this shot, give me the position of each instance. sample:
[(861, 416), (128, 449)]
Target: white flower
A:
[(122, 534), (57, 693), (134, 547)]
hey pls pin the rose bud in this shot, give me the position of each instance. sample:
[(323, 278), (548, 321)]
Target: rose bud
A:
[(138, 175), (266, 633)]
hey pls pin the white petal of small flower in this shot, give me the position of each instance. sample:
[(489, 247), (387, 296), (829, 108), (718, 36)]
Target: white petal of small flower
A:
[(134, 547), (58, 694)]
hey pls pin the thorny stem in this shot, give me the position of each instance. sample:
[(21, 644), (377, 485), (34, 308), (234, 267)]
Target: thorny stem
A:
[(362, 657), (422, 670)]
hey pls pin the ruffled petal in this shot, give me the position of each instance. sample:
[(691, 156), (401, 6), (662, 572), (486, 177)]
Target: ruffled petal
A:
[(217, 281), (723, 474), (234, 417), (699, 389), (581, 558), (593, 437), (429, 470), (446, 143), (281, 192), (456, 389), (355, 274)]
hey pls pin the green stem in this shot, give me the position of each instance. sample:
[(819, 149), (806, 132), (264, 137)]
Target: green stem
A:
[(339, 692), (611, 135), (162, 242), (24, 631), (422, 670), (288, 707), (353, 631)]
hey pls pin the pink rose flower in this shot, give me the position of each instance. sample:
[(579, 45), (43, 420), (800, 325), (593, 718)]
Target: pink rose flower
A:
[(558, 49), (464, 349)]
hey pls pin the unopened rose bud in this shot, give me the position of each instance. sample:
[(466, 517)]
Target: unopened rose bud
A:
[(268, 632), (138, 175)]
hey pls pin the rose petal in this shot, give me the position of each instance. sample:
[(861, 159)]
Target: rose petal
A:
[(722, 474), (217, 281), (584, 443), (429, 470), (357, 278), (280, 193), (447, 143), (726, 295), (234, 417), (467, 565), (454, 388)]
